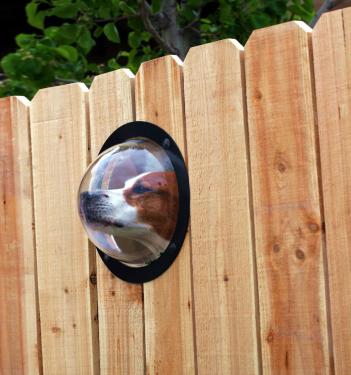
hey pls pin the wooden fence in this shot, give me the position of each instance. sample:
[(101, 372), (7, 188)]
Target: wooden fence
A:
[(263, 282)]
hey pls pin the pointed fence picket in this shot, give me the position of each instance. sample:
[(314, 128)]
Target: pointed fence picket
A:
[(168, 302), (332, 64), (121, 325), (223, 270), (286, 200)]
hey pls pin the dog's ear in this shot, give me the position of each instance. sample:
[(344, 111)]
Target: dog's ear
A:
[(171, 178), (160, 180)]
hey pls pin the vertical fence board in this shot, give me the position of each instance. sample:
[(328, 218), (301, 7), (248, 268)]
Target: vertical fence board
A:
[(332, 62), (64, 263), (19, 336), (120, 304), (168, 299), (286, 201), (223, 269)]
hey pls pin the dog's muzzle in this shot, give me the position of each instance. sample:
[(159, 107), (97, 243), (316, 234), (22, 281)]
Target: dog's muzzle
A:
[(96, 209)]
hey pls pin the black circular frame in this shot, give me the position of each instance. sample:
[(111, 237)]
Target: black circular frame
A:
[(154, 133)]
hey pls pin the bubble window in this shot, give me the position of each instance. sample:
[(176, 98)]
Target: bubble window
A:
[(130, 200)]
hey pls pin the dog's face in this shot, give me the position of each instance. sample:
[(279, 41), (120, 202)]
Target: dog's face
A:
[(147, 204)]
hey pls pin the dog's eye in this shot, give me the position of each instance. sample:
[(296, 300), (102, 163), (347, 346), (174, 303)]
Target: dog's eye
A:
[(140, 189)]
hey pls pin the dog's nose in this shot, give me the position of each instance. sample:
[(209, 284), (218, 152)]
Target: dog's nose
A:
[(91, 203), (85, 195), (92, 197), (87, 198), (90, 200)]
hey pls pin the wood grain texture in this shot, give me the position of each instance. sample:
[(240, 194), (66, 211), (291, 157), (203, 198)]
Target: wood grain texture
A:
[(221, 241), (288, 227), (19, 336), (121, 324), (168, 303), (66, 295), (332, 63)]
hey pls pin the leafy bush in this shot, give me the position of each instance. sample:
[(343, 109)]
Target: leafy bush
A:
[(63, 45)]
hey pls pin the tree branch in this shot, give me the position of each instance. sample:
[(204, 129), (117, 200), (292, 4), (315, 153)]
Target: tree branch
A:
[(327, 5), (116, 19), (145, 16), (160, 20), (63, 81), (192, 23)]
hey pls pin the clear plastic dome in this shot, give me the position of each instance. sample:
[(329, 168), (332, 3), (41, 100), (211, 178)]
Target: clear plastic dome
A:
[(128, 202)]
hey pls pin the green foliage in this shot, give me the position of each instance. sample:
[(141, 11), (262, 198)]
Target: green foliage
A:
[(66, 33), (111, 32)]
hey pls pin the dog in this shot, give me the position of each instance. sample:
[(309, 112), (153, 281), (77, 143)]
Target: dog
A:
[(140, 217)]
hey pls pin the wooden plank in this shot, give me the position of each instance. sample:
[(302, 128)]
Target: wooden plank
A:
[(19, 335), (66, 295), (286, 197), (168, 304), (223, 267), (121, 325), (332, 64)]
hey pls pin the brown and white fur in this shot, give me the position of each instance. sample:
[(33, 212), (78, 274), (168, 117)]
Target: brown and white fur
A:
[(143, 211)]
